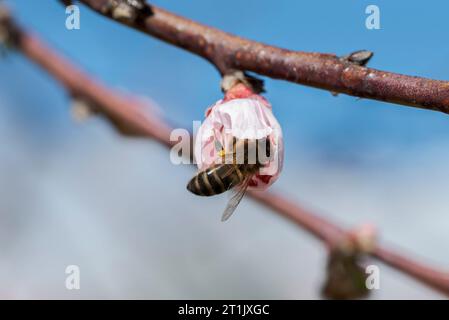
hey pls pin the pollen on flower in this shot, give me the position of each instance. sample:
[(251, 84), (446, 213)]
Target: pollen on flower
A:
[(221, 153)]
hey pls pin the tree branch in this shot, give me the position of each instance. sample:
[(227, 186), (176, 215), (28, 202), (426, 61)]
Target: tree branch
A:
[(324, 71), (129, 112)]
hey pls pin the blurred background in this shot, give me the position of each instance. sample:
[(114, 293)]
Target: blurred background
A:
[(79, 193)]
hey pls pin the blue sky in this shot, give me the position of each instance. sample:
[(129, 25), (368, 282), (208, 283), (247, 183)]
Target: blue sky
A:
[(184, 85)]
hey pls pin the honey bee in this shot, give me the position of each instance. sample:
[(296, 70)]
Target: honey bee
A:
[(234, 172)]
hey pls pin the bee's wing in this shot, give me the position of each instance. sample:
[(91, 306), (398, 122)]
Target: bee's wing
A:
[(237, 194)]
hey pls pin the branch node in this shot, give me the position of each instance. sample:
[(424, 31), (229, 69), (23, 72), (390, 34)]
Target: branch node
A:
[(128, 11), (81, 109), (346, 276), (359, 57), (9, 32), (233, 77)]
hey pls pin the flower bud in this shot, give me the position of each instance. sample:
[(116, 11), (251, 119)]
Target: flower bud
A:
[(240, 115)]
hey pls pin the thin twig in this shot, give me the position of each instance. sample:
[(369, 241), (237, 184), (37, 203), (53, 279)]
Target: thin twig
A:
[(324, 71), (128, 112)]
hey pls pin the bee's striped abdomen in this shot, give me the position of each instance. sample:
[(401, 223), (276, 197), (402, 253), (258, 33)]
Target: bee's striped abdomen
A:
[(215, 180)]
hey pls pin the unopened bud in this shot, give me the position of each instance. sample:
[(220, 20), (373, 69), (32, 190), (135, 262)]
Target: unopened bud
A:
[(81, 109), (345, 277)]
